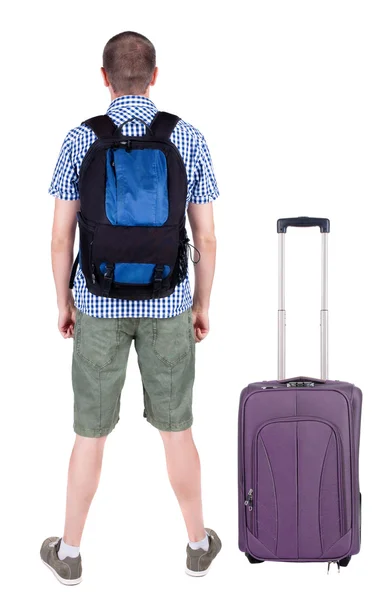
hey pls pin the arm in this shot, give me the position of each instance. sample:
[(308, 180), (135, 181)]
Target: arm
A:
[(204, 239), (62, 243)]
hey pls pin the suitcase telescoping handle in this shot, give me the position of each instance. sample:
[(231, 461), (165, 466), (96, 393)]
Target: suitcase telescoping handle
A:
[(324, 225)]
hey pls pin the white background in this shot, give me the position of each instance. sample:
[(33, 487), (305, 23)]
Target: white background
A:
[(292, 98)]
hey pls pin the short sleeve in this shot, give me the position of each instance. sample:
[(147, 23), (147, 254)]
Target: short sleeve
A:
[(205, 185), (64, 183)]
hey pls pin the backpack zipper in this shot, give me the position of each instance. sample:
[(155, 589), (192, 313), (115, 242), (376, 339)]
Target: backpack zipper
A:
[(124, 142)]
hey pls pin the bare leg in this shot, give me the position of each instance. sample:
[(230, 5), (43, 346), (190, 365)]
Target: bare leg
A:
[(84, 475), (184, 472)]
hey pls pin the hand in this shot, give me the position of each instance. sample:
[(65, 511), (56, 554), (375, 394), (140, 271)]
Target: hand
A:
[(200, 324), (66, 321)]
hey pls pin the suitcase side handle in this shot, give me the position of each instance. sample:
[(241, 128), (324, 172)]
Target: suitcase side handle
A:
[(323, 224)]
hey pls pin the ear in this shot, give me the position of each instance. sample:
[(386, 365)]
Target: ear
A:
[(105, 77), (154, 76)]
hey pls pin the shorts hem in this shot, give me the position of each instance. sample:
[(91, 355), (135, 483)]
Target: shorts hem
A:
[(170, 426), (94, 433)]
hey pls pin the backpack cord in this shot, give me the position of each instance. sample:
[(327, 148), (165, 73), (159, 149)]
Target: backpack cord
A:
[(191, 249)]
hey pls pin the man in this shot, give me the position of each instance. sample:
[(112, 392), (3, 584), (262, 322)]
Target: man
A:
[(164, 330)]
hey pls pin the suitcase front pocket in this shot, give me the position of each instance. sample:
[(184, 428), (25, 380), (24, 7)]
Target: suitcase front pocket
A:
[(297, 499)]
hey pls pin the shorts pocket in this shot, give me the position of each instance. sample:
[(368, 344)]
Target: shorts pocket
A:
[(96, 339), (172, 339)]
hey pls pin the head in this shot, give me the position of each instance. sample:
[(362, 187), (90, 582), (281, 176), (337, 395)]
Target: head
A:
[(129, 65)]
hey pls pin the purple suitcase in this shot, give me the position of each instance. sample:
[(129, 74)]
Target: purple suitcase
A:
[(299, 497)]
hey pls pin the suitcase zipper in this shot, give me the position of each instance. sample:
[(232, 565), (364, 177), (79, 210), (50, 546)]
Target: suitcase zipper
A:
[(249, 504), (249, 500)]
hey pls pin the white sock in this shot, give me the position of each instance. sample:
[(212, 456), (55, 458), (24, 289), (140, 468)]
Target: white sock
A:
[(66, 550), (203, 544)]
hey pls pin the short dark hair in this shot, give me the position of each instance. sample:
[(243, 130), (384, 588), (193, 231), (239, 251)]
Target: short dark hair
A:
[(129, 60)]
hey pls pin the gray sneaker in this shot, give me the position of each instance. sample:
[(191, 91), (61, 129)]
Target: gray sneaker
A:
[(67, 571), (198, 561)]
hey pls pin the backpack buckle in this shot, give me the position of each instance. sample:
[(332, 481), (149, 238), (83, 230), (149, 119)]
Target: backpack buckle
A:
[(108, 279), (157, 279)]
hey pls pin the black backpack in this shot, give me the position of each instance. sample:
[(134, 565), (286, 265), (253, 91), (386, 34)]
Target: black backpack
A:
[(133, 241)]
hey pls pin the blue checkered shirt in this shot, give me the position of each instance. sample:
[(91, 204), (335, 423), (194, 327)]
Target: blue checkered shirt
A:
[(202, 188)]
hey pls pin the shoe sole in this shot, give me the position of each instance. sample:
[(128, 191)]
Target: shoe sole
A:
[(60, 579), (197, 573)]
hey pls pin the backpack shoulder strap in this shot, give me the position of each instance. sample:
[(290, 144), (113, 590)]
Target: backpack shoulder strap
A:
[(163, 124), (102, 125)]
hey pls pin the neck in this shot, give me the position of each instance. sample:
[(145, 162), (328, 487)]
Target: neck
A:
[(113, 95)]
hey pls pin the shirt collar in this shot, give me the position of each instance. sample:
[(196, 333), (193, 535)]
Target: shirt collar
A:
[(131, 101)]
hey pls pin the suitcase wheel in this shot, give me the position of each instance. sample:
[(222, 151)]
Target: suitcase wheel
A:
[(344, 561), (252, 559)]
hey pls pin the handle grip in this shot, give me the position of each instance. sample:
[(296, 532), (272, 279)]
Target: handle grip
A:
[(323, 224)]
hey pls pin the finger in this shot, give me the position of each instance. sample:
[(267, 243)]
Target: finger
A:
[(201, 334), (68, 332)]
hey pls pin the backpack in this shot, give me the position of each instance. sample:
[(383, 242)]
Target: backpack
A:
[(132, 237)]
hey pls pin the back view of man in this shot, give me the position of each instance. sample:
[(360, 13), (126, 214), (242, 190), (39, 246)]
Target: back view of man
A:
[(119, 300)]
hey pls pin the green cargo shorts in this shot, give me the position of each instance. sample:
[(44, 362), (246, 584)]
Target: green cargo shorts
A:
[(166, 358)]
